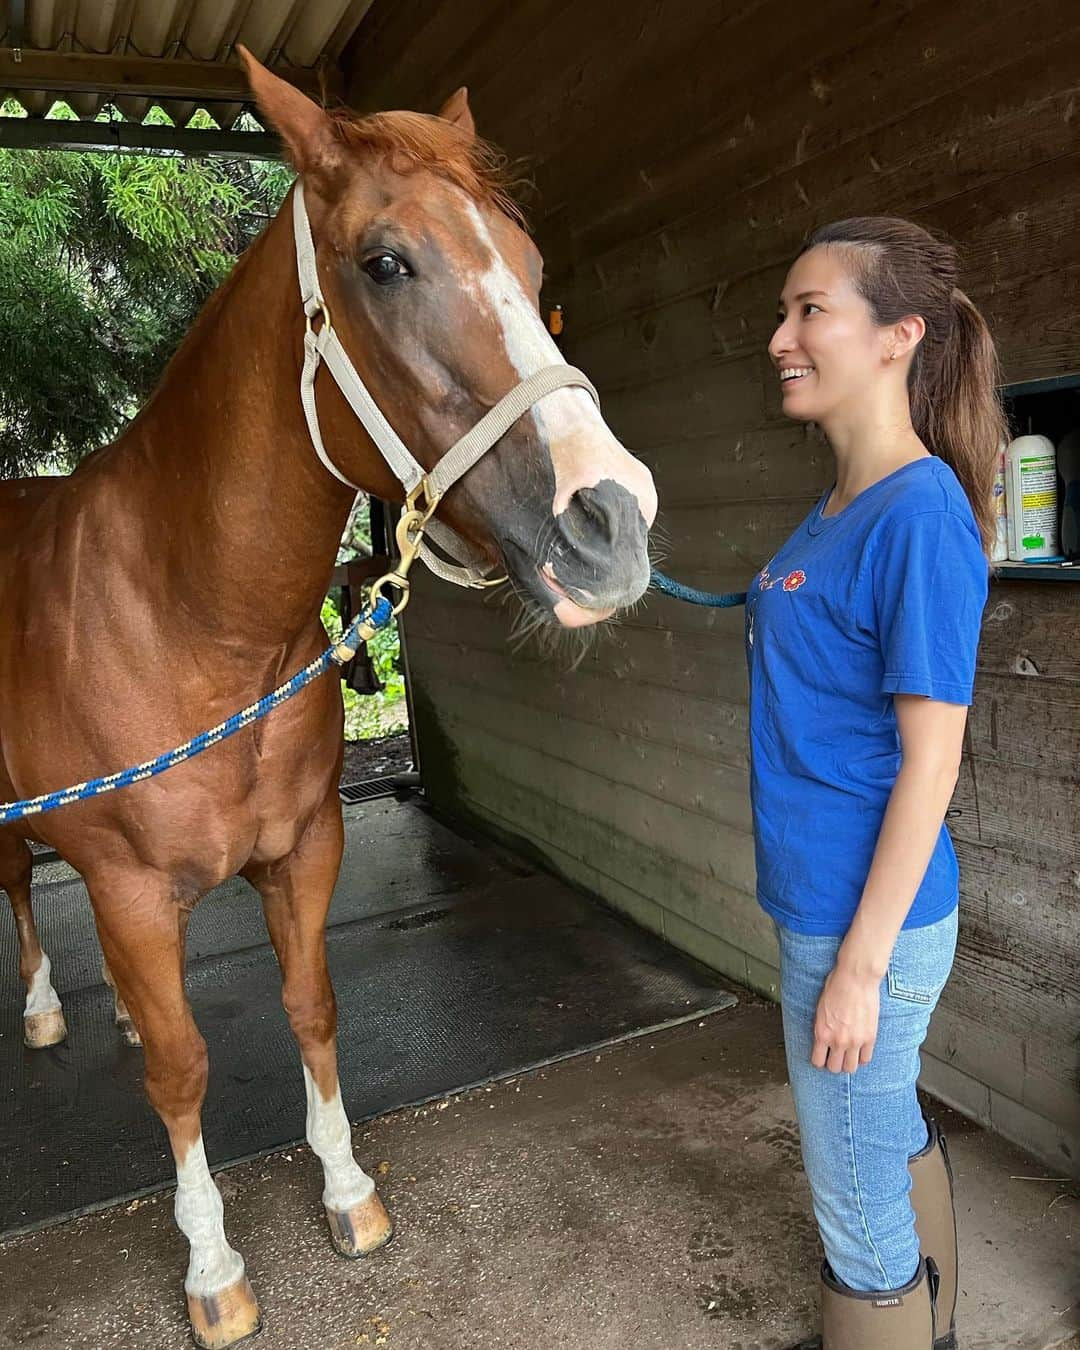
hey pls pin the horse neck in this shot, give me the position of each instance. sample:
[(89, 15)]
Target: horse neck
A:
[(251, 518)]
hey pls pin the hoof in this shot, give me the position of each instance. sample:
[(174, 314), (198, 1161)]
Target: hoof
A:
[(361, 1230), (44, 1028), (126, 1027), (223, 1319)]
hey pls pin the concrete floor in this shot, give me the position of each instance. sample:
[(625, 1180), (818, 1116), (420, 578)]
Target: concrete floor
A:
[(650, 1196)]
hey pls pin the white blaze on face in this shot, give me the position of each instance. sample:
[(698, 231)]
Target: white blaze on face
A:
[(345, 1183), (200, 1216), (583, 450)]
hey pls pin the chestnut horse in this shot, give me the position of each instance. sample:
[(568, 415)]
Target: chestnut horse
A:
[(128, 622)]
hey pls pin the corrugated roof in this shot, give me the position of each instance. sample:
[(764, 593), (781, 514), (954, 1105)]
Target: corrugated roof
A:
[(178, 54)]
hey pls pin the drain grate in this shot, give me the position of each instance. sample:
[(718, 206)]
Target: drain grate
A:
[(366, 792)]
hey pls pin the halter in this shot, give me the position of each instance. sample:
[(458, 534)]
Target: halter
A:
[(423, 491)]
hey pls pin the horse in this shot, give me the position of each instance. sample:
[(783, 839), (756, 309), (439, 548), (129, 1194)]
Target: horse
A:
[(126, 594)]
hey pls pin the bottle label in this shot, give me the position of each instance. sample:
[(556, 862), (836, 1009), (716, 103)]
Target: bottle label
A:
[(1038, 498)]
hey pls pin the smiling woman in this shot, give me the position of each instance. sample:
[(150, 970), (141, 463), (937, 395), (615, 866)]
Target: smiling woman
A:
[(861, 634)]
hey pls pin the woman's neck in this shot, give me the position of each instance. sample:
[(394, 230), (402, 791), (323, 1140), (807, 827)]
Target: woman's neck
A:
[(868, 444)]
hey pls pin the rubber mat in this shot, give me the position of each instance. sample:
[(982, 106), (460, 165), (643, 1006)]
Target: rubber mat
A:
[(453, 965)]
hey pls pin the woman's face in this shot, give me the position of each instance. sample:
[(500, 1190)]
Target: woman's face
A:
[(827, 350)]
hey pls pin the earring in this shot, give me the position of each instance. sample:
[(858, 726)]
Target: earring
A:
[(892, 356)]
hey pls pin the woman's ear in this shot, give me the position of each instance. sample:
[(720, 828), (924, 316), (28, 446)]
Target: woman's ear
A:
[(907, 335)]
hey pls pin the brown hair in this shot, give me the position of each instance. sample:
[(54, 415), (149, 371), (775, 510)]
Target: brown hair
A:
[(900, 269)]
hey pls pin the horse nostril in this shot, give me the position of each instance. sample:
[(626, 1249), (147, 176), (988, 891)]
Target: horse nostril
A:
[(588, 516)]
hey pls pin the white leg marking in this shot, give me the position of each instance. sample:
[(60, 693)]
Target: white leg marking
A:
[(41, 997), (328, 1133), (200, 1215)]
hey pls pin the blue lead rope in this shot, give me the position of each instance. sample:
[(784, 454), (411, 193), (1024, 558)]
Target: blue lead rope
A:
[(336, 655), (680, 592)]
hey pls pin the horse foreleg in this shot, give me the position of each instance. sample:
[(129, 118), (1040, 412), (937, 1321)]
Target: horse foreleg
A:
[(43, 1018), (296, 893), (142, 938), (121, 1015)]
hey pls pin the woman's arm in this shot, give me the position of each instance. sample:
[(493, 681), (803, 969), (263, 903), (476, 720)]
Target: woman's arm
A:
[(931, 741)]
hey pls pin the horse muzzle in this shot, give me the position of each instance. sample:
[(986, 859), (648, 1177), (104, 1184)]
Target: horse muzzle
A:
[(596, 560)]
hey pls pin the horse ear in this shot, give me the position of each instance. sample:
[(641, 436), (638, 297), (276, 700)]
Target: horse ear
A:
[(304, 127), (456, 109)]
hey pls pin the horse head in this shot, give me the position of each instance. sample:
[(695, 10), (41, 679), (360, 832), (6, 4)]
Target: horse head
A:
[(433, 284)]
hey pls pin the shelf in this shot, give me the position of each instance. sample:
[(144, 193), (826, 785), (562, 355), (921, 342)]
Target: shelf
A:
[(1018, 571)]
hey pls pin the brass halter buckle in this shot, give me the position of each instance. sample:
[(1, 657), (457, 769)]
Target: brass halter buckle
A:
[(423, 492), (420, 506)]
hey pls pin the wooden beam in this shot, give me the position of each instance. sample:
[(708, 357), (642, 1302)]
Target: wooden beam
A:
[(39, 133), (150, 77)]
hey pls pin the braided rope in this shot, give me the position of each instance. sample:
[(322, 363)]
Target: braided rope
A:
[(680, 592), (362, 628)]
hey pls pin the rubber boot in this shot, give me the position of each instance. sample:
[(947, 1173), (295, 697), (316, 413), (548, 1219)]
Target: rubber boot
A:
[(891, 1319), (935, 1223)]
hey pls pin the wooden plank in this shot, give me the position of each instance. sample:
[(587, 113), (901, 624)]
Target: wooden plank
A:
[(695, 400), (704, 663), (611, 79), (637, 713), (1020, 806), (1029, 630), (1021, 926), (864, 107), (414, 54), (712, 849), (732, 318), (151, 77), (1032, 1073), (740, 467), (923, 155), (1028, 723), (1030, 319), (681, 779)]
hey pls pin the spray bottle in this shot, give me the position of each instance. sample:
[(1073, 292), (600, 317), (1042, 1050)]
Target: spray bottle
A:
[(1001, 514)]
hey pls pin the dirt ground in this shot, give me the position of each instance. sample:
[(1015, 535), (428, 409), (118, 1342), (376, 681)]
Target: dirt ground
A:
[(377, 758), (649, 1197)]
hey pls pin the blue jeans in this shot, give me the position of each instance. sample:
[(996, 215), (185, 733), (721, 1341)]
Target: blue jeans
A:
[(859, 1129)]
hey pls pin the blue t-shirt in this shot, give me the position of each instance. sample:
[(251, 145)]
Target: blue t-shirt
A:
[(884, 598)]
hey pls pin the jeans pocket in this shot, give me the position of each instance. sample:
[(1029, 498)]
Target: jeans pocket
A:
[(921, 962)]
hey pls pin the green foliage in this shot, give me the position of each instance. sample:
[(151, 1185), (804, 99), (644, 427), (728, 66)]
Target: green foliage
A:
[(105, 259), (371, 715)]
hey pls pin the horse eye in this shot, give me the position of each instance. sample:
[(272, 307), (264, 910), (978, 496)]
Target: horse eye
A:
[(385, 268)]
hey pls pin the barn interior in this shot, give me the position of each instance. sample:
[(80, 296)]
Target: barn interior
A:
[(556, 986)]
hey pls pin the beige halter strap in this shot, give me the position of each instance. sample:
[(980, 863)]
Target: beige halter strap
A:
[(323, 345)]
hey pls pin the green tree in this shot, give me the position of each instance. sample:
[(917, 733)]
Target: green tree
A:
[(105, 259)]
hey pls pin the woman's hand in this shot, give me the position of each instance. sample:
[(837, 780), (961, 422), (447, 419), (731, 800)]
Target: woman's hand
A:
[(846, 1024)]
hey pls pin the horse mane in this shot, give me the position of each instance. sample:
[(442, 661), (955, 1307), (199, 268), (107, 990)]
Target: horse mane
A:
[(414, 141)]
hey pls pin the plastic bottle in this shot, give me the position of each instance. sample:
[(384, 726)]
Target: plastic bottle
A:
[(1001, 513), (1032, 500)]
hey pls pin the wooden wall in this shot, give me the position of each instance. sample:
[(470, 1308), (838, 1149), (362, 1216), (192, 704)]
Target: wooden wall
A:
[(681, 151)]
